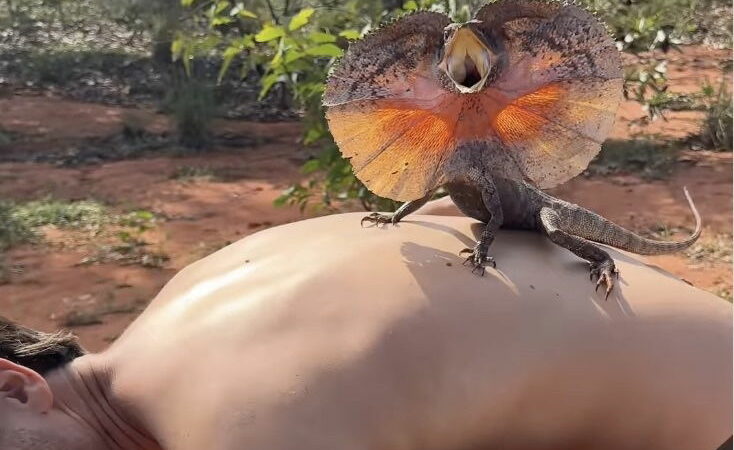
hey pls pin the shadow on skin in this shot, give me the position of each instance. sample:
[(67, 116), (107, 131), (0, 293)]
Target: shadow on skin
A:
[(537, 246), (465, 240)]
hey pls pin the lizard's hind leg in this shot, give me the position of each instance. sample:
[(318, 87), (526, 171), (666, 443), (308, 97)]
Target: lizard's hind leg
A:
[(405, 209), (602, 265)]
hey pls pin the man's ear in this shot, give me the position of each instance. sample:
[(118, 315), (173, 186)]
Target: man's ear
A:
[(23, 386)]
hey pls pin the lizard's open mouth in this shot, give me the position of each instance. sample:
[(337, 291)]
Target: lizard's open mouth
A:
[(466, 60)]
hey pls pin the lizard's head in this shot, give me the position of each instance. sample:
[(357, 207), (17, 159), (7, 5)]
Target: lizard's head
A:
[(467, 59)]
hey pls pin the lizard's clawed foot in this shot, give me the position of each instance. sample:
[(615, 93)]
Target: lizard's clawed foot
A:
[(477, 259), (378, 219), (606, 272)]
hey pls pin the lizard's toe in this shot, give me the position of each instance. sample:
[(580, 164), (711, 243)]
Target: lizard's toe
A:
[(477, 260), (605, 272), (377, 219)]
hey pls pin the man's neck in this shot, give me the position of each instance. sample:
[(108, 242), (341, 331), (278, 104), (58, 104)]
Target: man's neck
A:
[(83, 390)]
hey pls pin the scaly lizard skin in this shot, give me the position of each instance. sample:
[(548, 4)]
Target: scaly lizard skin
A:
[(516, 100)]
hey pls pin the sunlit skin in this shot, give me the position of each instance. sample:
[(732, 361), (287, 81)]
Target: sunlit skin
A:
[(371, 340)]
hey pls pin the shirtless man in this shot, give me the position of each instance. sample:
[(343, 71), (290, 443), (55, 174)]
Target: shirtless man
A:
[(321, 335)]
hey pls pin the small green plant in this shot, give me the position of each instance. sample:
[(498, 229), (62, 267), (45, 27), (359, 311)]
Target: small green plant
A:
[(192, 104), (648, 86), (717, 248), (716, 130), (189, 174), (723, 291), (13, 231), (131, 251), (131, 247), (640, 26), (84, 214), (20, 223)]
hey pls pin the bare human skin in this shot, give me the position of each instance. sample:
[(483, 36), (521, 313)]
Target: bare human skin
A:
[(517, 100), (373, 340)]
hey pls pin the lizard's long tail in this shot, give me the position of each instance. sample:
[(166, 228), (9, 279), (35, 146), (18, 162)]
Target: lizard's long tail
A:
[(596, 228)]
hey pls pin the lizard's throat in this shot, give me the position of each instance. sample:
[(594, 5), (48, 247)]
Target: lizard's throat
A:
[(466, 61)]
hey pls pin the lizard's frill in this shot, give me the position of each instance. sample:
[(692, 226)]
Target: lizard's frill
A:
[(549, 105), (562, 76), (395, 147)]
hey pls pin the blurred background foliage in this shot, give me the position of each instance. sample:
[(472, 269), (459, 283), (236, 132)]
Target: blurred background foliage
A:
[(195, 57)]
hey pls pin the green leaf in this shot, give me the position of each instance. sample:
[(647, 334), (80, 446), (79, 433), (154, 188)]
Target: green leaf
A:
[(239, 10), (268, 33), (312, 135), (410, 5), (275, 62), (247, 14), (144, 215), (221, 6), (267, 83), (325, 50), (229, 54), (322, 38), (311, 166), (177, 48), (187, 3), (300, 19), (293, 55), (206, 44), (280, 201), (350, 34), (220, 20)]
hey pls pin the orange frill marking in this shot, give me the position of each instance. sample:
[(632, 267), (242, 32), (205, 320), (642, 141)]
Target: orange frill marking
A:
[(525, 117)]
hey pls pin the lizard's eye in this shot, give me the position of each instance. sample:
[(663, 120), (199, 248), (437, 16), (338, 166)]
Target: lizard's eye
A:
[(446, 34)]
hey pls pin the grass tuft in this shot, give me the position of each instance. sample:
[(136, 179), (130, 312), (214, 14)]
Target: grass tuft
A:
[(713, 249), (648, 158), (189, 174), (84, 214), (21, 223), (13, 231)]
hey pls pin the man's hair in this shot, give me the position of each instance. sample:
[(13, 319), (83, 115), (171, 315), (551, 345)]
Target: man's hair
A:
[(37, 350)]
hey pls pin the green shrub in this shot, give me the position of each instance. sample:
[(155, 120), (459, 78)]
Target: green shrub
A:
[(13, 231), (716, 130), (80, 214), (297, 46), (191, 102)]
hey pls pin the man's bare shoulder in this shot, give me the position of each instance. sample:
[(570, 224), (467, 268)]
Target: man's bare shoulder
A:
[(342, 334)]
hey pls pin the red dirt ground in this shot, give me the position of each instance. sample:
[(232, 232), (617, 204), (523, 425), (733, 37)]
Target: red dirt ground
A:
[(46, 282)]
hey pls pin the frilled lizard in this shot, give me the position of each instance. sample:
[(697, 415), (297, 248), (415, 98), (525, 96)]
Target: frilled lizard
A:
[(516, 100)]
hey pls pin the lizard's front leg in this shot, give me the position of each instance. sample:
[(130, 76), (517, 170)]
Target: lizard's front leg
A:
[(602, 265), (479, 255), (405, 209)]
